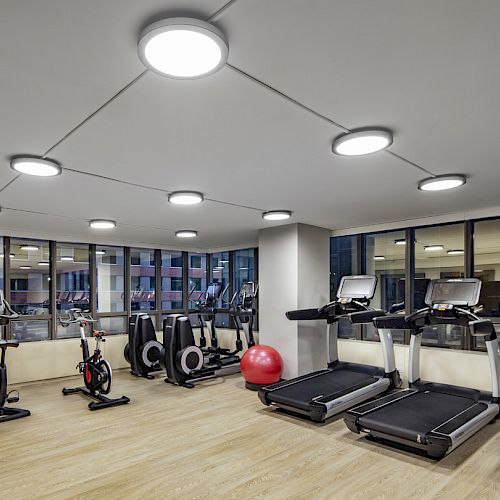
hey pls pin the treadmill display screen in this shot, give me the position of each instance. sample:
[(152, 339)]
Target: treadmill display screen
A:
[(357, 287), (457, 292)]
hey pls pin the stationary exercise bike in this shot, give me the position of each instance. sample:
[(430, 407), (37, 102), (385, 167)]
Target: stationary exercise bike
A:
[(97, 373), (7, 314)]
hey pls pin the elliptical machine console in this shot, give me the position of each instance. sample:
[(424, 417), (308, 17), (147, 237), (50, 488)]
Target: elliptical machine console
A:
[(6, 315)]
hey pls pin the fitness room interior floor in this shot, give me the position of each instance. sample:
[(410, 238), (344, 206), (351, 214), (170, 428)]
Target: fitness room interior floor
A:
[(217, 441)]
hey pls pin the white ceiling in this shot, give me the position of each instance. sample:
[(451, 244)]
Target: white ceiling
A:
[(428, 70)]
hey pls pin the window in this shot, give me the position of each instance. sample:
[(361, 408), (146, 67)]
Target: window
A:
[(30, 277), (343, 262), (439, 253), (244, 267), (197, 274), (220, 273), (171, 280), (487, 269), (385, 258), (142, 280), (1, 262), (110, 279), (114, 324), (72, 282)]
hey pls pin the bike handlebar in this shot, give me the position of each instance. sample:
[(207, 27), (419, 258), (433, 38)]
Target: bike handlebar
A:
[(76, 315), (6, 311)]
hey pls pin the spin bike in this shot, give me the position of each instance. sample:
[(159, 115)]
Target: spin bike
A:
[(96, 371), (6, 315)]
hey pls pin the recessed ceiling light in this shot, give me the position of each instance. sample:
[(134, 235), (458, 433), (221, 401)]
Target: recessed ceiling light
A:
[(433, 248), (379, 257), (362, 142), (455, 252), (186, 233), (29, 248), (36, 166), (67, 258), (24, 267), (100, 252), (401, 241), (102, 224), (44, 263), (277, 215), (183, 48), (442, 182), (185, 197)]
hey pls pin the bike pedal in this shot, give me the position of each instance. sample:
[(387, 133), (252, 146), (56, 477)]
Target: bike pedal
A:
[(13, 399)]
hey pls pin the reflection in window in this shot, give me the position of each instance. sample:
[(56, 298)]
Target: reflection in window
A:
[(116, 324), (244, 267), (343, 262), (171, 280), (385, 258), (72, 282), (142, 279), (30, 276), (197, 274), (1, 262), (220, 272), (29, 331), (110, 279), (439, 253)]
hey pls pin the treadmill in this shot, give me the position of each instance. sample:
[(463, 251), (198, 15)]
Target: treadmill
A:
[(325, 393), (430, 417)]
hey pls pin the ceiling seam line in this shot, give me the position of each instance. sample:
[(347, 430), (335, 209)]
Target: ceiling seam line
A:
[(221, 11), (10, 182), (100, 108), (316, 113)]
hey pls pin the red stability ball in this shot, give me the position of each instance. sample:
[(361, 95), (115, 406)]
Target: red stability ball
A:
[(261, 365)]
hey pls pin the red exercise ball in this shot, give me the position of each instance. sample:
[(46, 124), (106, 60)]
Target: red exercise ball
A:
[(261, 365)]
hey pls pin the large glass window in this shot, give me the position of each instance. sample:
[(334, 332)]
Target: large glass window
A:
[(110, 279), (171, 280), (142, 279), (72, 282), (30, 287), (197, 273), (343, 262), (244, 267), (439, 253), (220, 270), (385, 258)]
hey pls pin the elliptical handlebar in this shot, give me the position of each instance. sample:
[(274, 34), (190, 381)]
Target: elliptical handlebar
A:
[(6, 311)]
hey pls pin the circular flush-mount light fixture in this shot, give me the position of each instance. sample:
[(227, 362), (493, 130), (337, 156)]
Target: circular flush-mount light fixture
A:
[(44, 263), (433, 248), (275, 215), (183, 48), (186, 233), (185, 197), (102, 224), (379, 257), (29, 248), (362, 142), (442, 182), (24, 267), (41, 167), (455, 252), (400, 241)]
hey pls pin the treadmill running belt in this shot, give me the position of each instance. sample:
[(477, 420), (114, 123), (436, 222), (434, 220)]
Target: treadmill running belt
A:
[(332, 384), (414, 416)]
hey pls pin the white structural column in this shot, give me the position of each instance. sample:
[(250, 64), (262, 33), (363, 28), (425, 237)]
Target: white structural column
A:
[(294, 270)]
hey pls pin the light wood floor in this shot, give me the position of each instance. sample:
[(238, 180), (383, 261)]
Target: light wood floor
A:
[(216, 441)]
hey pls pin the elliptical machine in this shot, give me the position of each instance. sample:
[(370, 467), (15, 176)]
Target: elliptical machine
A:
[(6, 315), (96, 371), (143, 351), (187, 363)]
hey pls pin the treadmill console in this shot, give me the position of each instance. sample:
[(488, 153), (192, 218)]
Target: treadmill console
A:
[(360, 288), (444, 294)]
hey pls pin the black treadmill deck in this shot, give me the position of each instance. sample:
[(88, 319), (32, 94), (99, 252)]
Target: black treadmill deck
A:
[(321, 387), (414, 416)]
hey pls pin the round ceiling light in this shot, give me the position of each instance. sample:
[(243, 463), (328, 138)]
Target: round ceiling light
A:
[(102, 224), (185, 197), (67, 258), (275, 215), (186, 233), (36, 166), (433, 248), (24, 267), (362, 142), (183, 48), (442, 182), (44, 264), (400, 241), (379, 257)]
